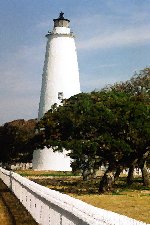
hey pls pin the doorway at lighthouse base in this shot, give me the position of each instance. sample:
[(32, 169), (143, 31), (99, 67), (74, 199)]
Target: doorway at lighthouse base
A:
[(46, 159)]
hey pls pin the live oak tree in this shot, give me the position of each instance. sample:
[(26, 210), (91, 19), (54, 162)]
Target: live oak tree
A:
[(107, 127), (139, 86), (15, 141)]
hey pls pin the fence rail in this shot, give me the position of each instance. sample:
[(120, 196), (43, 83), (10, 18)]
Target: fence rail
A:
[(49, 207)]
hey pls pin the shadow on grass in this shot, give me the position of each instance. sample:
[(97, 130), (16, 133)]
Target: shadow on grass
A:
[(68, 185), (137, 184), (17, 213)]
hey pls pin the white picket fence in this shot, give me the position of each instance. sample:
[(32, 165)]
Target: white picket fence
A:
[(49, 207)]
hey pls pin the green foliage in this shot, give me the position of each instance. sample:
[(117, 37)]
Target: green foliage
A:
[(15, 140), (139, 84), (103, 126), (111, 126), (139, 88)]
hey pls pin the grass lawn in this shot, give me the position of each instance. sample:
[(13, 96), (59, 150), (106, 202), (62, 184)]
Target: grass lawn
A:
[(12, 212), (132, 201), (4, 216)]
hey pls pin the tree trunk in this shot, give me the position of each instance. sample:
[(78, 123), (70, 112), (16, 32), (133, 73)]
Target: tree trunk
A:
[(130, 176), (107, 181), (88, 174), (145, 175), (118, 171), (85, 175)]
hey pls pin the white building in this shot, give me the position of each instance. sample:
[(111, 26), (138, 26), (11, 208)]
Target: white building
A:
[(60, 80)]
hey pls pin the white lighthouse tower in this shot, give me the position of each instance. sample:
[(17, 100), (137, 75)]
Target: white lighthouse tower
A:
[(60, 80)]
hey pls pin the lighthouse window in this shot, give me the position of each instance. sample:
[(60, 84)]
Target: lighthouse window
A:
[(60, 95)]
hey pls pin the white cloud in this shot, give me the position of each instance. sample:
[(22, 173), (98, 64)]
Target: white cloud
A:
[(29, 53), (15, 82), (121, 38), (107, 65), (43, 24), (90, 83), (18, 108), (20, 81)]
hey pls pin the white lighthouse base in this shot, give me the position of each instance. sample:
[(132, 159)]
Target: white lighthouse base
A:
[(46, 159)]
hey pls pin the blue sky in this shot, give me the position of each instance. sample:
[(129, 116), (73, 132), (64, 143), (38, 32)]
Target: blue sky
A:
[(112, 39)]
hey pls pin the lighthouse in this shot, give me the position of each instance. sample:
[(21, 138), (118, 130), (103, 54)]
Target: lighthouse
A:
[(60, 80), (60, 73)]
